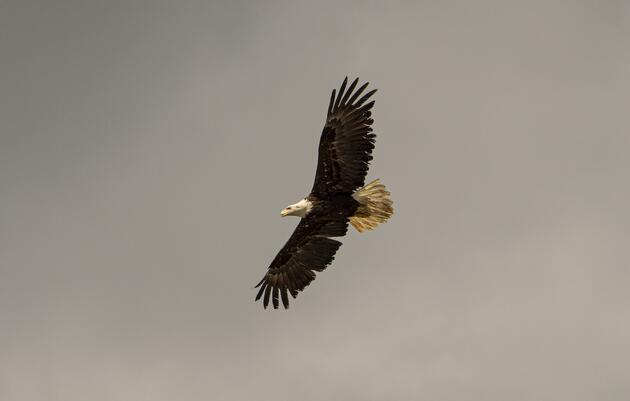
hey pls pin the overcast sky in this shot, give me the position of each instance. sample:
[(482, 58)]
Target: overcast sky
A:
[(147, 148)]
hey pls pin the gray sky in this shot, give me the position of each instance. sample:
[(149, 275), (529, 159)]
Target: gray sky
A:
[(147, 148)]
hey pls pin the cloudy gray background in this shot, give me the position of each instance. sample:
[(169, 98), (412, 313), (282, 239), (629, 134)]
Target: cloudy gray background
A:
[(146, 149)]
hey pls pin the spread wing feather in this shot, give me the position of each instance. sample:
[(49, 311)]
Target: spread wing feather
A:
[(346, 143), (309, 249)]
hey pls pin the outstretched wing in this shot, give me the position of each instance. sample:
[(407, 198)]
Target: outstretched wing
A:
[(309, 249), (345, 147)]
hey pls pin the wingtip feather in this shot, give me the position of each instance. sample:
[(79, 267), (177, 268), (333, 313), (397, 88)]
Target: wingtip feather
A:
[(341, 92), (349, 92)]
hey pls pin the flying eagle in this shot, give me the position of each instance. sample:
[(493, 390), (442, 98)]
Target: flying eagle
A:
[(338, 197)]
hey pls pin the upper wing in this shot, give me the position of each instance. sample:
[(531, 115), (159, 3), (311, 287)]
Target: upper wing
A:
[(345, 147), (309, 249)]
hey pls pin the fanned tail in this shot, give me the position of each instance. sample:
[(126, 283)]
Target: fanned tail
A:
[(376, 206)]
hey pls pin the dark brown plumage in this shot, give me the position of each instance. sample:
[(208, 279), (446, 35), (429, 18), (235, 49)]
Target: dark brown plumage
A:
[(345, 151)]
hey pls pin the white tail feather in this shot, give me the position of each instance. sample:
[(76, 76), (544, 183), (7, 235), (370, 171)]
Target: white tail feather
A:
[(376, 206)]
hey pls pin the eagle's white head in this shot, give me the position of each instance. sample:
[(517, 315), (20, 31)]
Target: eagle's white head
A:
[(299, 209)]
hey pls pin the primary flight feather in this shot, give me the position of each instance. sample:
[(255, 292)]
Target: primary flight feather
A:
[(338, 197)]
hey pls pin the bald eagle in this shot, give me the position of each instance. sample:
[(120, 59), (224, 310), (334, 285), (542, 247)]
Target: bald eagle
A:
[(338, 197)]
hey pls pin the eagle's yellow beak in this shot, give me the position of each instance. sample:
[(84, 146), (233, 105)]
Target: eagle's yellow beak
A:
[(284, 213)]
